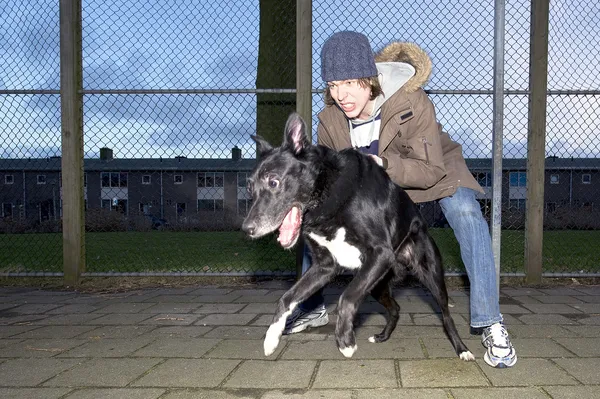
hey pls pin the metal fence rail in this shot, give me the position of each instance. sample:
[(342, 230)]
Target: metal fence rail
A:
[(171, 94)]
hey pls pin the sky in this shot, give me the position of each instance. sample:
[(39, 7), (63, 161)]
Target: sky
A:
[(207, 45)]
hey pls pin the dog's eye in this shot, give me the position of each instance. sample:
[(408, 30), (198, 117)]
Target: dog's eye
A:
[(273, 183)]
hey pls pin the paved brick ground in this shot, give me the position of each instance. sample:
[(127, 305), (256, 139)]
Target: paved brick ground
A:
[(206, 342)]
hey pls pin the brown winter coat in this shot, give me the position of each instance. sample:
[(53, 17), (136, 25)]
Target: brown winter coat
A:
[(420, 157)]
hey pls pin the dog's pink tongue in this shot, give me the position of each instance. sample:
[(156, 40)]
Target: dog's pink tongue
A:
[(289, 227)]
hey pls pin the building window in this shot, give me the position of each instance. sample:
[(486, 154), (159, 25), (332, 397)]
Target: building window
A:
[(9, 179), (115, 204), (484, 179), (210, 205), (244, 206), (7, 209), (178, 179), (518, 204), (146, 179), (41, 179), (518, 179), (242, 179), (180, 209), (210, 179), (586, 178), (113, 179), (554, 179)]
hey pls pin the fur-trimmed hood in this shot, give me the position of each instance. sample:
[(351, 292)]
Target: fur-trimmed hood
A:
[(412, 54)]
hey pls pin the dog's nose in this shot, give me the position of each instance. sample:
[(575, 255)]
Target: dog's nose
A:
[(248, 228)]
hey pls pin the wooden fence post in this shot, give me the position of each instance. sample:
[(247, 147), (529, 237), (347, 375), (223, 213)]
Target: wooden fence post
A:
[(71, 101), (538, 83)]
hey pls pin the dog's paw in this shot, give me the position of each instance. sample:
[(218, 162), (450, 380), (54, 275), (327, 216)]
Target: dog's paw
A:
[(348, 352), (377, 338), (467, 356), (272, 339)]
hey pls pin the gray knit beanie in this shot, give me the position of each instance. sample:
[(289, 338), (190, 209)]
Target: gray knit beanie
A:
[(347, 55)]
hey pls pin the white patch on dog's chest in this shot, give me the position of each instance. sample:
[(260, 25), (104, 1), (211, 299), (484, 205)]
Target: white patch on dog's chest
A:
[(346, 255)]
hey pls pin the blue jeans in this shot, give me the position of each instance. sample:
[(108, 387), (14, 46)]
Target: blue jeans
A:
[(473, 235)]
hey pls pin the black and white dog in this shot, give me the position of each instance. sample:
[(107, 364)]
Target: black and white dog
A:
[(352, 217)]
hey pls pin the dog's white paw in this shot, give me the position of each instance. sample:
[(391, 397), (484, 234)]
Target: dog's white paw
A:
[(272, 339), (467, 356), (349, 351), (372, 339)]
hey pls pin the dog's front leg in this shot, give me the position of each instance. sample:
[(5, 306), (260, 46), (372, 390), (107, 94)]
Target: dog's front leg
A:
[(314, 279), (377, 263)]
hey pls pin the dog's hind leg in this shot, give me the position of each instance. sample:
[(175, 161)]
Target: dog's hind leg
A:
[(314, 279), (378, 262), (431, 275), (382, 293)]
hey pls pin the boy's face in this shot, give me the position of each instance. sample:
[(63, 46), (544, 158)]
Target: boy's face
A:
[(351, 97)]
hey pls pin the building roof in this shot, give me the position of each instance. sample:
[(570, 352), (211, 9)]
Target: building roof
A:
[(226, 165)]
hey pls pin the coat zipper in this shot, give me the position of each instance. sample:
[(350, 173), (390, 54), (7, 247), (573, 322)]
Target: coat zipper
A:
[(425, 143)]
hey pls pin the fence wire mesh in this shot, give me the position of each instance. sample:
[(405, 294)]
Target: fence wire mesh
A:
[(171, 95)]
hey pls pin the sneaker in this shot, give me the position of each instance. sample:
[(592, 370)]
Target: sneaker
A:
[(500, 352), (300, 320)]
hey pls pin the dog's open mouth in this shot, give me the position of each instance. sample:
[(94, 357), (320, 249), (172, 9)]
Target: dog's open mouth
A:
[(289, 231)]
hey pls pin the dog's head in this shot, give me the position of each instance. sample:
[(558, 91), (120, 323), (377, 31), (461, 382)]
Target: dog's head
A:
[(281, 185)]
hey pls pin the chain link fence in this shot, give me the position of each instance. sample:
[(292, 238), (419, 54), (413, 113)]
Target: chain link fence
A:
[(171, 95)]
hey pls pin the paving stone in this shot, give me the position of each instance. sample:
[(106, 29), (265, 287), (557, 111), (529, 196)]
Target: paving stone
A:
[(174, 307), (33, 393), (121, 319), (172, 299), (132, 307), (545, 319), (69, 319), (513, 309), (177, 347), (210, 291), (40, 347), (585, 370), (558, 291), (440, 373), (17, 372), (226, 319), (535, 331), (375, 319), (272, 375), (265, 321), (528, 372), (171, 319), (243, 349), (589, 308), (117, 332), (591, 321), (103, 373), (8, 318), (504, 393), (55, 332), (34, 308), (583, 347), (107, 347), (255, 308), (356, 374), (401, 393), (588, 298), (519, 291), (226, 298), (585, 331), (74, 308), (539, 347), (237, 332), (188, 373), (408, 348), (571, 392), (589, 290), (11, 331), (258, 298), (553, 308), (442, 347), (558, 299), (178, 331), (210, 308), (117, 393), (209, 394)]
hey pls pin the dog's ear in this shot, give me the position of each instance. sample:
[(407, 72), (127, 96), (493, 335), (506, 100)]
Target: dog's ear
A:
[(295, 134), (262, 146)]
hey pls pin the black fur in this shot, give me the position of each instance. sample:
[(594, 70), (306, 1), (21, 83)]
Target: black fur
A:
[(346, 190)]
